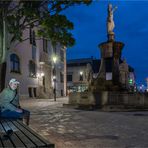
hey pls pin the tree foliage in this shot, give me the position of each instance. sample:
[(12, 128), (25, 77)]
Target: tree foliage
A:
[(46, 14)]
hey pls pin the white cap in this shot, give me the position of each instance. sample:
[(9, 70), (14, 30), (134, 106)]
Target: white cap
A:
[(14, 81)]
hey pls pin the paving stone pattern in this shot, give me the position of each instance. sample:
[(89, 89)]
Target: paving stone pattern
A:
[(73, 128)]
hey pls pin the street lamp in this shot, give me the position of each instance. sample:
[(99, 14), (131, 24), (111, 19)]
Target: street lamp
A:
[(54, 59), (81, 73)]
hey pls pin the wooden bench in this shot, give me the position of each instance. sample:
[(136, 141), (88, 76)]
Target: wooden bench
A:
[(22, 136)]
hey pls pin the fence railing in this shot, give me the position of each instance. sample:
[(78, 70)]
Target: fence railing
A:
[(128, 99)]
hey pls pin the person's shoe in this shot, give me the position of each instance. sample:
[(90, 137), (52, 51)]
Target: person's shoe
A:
[(8, 134)]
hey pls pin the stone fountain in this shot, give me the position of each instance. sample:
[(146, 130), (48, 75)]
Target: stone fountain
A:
[(110, 88)]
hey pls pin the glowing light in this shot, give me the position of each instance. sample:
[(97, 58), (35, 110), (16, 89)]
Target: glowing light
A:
[(54, 58), (130, 81), (42, 74), (54, 77), (81, 73)]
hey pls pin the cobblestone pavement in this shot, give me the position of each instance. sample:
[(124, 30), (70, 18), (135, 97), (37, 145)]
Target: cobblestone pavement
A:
[(72, 128)]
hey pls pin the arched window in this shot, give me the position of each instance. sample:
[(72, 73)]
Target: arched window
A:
[(14, 63)]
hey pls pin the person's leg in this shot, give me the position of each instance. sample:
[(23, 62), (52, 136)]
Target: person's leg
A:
[(26, 116), (11, 114)]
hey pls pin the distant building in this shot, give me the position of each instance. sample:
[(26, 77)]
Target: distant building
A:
[(30, 62), (81, 71)]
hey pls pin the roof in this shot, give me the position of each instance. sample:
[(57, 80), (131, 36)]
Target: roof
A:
[(95, 63), (78, 62)]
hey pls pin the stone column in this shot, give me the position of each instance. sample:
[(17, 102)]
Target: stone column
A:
[(117, 49)]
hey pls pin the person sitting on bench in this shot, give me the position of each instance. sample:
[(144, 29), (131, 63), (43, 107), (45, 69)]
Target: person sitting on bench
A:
[(9, 103)]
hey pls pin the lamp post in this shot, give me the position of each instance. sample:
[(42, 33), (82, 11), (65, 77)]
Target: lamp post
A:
[(54, 59)]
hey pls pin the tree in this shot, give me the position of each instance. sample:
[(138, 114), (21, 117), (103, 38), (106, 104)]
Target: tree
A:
[(16, 16)]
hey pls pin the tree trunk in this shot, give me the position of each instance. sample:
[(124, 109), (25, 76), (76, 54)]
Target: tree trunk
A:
[(3, 67), (3, 50)]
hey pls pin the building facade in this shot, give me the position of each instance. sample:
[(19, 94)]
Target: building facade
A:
[(31, 63), (81, 71)]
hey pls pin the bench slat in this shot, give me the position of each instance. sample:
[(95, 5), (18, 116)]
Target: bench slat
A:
[(27, 142), (37, 135), (1, 143), (22, 135), (27, 133), (13, 138), (5, 143), (1, 128)]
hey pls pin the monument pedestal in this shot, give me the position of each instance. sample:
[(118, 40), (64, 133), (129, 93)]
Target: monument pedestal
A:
[(108, 77)]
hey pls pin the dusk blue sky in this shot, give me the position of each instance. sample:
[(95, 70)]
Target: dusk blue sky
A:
[(131, 28)]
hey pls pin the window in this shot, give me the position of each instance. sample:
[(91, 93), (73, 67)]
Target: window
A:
[(62, 94), (14, 63), (33, 52), (32, 69), (61, 77), (30, 34), (69, 78), (45, 45), (81, 77), (44, 84), (62, 55), (30, 92), (34, 91), (32, 37)]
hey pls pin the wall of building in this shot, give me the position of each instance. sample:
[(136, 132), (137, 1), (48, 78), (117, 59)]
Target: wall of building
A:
[(24, 52), (77, 84), (40, 86)]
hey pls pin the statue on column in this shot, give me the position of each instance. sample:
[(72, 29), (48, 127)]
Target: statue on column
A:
[(110, 21)]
